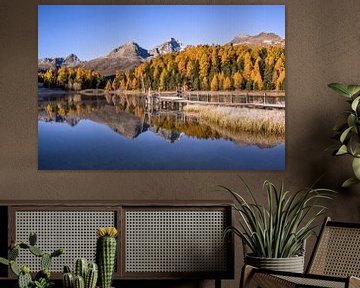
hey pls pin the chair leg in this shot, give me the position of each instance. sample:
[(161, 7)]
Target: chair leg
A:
[(217, 283), (246, 274)]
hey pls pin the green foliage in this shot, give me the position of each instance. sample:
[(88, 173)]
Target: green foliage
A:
[(349, 131), (279, 229), (225, 67), (4, 261), (42, 278), (43, 283)]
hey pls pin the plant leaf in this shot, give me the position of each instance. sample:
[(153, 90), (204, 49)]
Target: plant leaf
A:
[(340, 88), (354, 145), (356, 167), (345, 134), (355, 103), (351, 120), (349, 182), (342, 150), (353, 90), (4, 261)]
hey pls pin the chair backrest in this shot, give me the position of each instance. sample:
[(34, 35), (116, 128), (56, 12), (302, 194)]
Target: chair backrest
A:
[(337, 251)]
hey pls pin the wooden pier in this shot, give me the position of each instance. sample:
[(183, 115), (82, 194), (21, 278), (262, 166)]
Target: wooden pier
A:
[(256, 99)]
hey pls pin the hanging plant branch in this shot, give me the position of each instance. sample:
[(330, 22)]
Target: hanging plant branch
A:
[(349, 131)]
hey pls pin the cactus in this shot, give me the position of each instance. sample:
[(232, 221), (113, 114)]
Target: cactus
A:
[(14, 268), (105, 255), (67, 269), (24, 246), (68, 280), (13, 253), (79, 282), (36, 251), (45, 261), (91, 276), (57, 252), (80, 268), (90, 272), (32, 239), (24, 278)]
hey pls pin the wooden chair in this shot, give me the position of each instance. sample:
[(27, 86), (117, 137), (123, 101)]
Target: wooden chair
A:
[(335, 262)]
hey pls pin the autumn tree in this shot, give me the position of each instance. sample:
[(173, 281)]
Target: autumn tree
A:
[(227, 84), (238, 80), (108, 86), (213, 67), (215, 83)]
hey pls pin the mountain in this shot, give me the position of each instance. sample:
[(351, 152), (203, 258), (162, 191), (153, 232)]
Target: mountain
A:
[(56, 62), (130, 49), (131, 54), (128, 56), (261, 39), (125, 57), (72, 61), (167, 47)]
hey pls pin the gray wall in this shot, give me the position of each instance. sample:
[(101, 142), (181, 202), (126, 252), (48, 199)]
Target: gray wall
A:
[(322, 46)]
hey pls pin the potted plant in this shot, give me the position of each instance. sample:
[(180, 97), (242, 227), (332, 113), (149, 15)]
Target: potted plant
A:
[(349, 132), (276, 233), (42, 278)]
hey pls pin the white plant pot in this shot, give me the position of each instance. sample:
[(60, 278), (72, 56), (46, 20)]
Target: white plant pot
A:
[(291, 264)]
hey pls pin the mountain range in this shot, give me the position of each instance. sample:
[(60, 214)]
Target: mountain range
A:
[(130, 54), (261, 39)]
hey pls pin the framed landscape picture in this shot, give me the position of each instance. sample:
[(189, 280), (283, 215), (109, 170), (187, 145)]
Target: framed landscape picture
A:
[(161, 87)]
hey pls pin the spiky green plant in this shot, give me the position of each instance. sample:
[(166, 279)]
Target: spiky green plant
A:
[(349, 132), (279, 229), (42, 278), (85, 274), (106, 254)]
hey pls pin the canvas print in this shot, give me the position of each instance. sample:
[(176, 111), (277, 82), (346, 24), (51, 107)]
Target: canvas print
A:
[(161, 87)]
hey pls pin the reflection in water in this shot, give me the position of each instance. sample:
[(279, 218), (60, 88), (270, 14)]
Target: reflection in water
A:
[(129, 116)]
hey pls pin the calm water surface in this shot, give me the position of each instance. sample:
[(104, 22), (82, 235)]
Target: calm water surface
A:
[(100, 134)]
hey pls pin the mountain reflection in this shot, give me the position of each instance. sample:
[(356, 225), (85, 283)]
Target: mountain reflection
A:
[(127, 115)]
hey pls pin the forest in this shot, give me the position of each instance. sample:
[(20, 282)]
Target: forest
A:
[(202, 67), (71, 78)]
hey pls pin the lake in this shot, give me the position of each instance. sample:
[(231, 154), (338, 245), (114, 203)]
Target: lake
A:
[(77, 132)]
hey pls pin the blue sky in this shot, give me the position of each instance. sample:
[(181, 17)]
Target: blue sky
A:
[(91, 31)]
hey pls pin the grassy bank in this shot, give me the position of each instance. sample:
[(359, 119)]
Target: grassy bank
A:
[(265, 122)]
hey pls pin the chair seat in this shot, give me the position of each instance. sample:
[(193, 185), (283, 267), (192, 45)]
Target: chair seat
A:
[(314, 282), (263, 278)]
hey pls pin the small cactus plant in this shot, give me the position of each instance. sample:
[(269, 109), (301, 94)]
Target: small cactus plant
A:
[(106, 254), (42, 278), (85, 275)]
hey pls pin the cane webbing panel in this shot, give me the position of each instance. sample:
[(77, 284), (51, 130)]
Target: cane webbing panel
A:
[(175, 241), (75, 231), (313, 282), (338, 252)]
